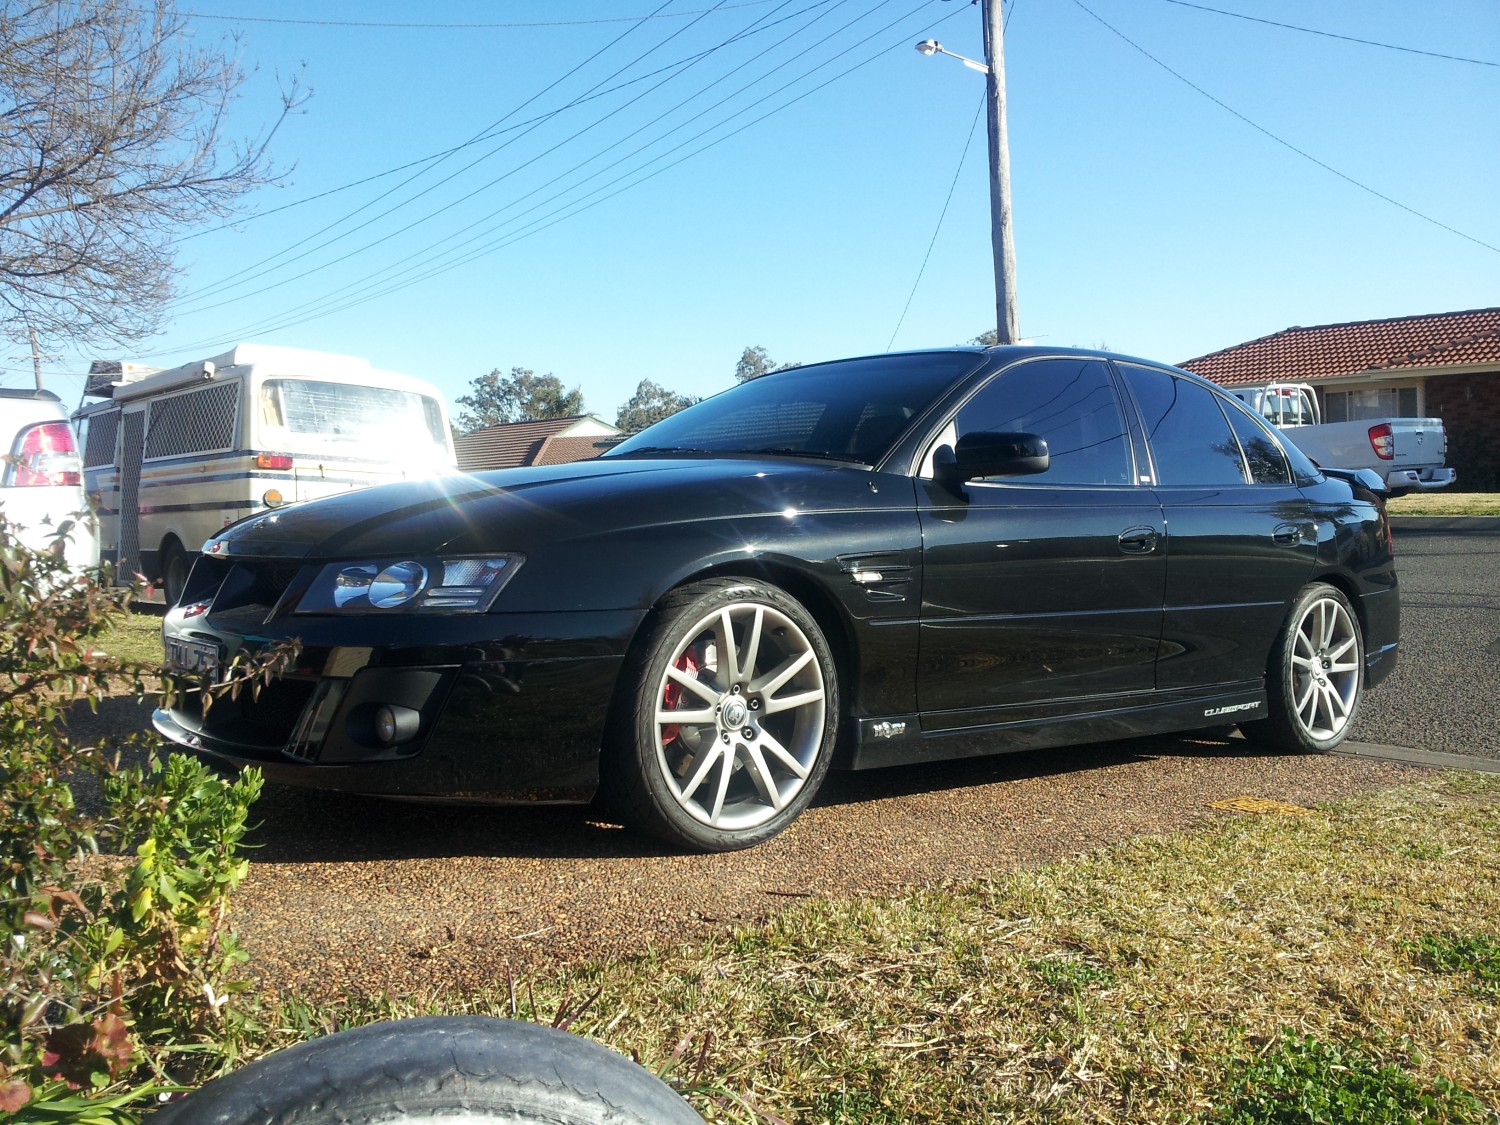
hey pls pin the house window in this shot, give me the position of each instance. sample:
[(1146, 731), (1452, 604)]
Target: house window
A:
[(1372, 402)]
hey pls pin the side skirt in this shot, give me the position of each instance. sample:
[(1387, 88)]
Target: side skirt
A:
[(891, 740)]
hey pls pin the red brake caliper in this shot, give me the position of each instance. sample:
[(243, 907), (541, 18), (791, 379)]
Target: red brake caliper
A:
[(672, 696)]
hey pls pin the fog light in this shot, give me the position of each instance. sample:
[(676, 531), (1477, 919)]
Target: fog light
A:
[(395, 724)]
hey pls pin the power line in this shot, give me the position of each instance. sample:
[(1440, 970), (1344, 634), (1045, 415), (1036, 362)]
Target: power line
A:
[(246, 274), (657, 15), (1333, 35), (493, 214), (1285, 143), (328, 305), (493, 129), (973, 128), (332, 303), (252, 273)]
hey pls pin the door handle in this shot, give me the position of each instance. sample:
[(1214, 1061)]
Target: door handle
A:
[(1138, 540), (1287, 535)]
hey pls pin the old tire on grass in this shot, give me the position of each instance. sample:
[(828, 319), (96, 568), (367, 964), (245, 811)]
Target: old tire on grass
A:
[(437, 1071)]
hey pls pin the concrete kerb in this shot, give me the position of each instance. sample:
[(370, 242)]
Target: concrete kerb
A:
[(1446, 525), (1409, 756)]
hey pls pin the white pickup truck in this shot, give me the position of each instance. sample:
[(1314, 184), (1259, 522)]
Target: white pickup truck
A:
[(1406, 453)]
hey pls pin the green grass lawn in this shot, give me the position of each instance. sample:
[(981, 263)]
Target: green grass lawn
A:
[(138, 637), (1446, 503), (1338, 965)]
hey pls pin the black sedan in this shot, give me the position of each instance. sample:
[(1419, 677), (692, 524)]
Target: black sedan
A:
[(895, 559)]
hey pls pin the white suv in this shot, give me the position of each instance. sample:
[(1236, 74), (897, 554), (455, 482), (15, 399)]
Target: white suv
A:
[(41, 475)]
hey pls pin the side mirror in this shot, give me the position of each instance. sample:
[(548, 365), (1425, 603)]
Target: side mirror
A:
[(984, 454)]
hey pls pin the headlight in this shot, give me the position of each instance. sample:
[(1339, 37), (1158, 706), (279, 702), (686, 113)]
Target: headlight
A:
[(422, 585)]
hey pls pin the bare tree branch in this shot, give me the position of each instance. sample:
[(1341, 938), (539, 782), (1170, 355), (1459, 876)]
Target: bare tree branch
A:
[(112, 141)]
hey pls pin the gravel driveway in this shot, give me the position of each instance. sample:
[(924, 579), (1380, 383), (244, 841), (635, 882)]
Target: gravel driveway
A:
[(356, 896), (351, 895)]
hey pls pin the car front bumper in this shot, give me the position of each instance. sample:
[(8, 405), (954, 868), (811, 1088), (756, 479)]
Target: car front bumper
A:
[(517, 719)]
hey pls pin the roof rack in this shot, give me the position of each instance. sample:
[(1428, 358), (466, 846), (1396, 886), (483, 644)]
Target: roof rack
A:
[(107, 374)]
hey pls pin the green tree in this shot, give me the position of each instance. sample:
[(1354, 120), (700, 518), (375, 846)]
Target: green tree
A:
[(754, 363), (650, 404), (113, 141), (521, 396)]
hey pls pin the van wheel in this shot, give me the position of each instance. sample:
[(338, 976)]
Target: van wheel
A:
[(727, 717), (174, 572), (1315, 675)]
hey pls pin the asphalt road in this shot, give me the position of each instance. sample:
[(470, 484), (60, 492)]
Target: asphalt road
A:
[(1445, 692), (357, 896)]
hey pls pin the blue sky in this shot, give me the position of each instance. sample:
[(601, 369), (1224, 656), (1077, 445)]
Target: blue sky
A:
[(1148, 218)]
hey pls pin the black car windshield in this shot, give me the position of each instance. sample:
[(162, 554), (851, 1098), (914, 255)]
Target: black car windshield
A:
[(851, 410)]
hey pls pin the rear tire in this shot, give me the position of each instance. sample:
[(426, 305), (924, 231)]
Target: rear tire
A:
[(1315, 677), (726, 717), (438, 1069), (174, 572)]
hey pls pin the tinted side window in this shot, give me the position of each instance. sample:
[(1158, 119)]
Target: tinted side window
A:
[(1072, 404), (1262, 454), (1191, 441)]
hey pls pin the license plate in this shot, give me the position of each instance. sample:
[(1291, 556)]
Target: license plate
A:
[(197, 657)]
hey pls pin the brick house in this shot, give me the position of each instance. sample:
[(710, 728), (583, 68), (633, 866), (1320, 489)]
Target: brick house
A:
[(549, 441), (1443, 365)]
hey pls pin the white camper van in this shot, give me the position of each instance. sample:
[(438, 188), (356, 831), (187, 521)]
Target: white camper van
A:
[(172, 456)]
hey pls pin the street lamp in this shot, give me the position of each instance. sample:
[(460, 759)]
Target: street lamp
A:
[(1006, 320), (932, 47)]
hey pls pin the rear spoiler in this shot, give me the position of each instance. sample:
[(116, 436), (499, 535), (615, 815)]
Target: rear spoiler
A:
[(1368, 479)]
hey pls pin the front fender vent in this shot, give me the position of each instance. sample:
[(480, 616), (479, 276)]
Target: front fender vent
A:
[(884, 576)]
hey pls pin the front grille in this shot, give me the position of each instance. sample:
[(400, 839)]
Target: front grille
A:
[(247, 589), (264, 720), (269, 579), (274, 709)]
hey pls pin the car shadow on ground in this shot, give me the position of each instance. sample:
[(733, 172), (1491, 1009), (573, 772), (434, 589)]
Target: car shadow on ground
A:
[(849, 787), (293, 825), (321, 826)]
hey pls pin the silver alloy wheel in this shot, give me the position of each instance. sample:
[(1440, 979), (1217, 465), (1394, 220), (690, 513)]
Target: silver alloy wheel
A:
[(741, 716), (1325, 668)]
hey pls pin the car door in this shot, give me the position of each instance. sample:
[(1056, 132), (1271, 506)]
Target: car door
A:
[(1240, 538), (1041, 594)]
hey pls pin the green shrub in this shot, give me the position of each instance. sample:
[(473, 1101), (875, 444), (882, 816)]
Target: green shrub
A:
[(120, 969)]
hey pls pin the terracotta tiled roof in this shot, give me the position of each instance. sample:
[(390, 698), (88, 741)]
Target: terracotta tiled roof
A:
[(561, 448), (1455, 339), (525, 443)]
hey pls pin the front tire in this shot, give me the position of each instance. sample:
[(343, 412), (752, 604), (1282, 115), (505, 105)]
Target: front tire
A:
[(1315, 677), (727, 717)]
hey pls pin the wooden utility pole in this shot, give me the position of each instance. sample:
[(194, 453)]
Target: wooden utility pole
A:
[(36, 358), (1006, 321)]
